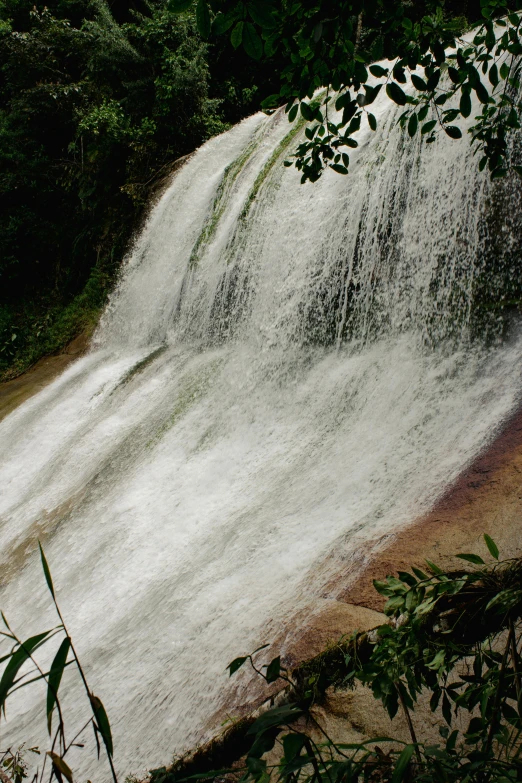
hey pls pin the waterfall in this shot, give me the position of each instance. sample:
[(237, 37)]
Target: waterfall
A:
[(284, 374)]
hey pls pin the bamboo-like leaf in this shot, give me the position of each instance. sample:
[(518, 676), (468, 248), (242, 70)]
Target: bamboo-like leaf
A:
[(46, 570), (475, 559), (60, 765), (402, 764), (5, 657), (292, 746), (22, 654), (493, 548), (19, 684), (511, 715), (263, 743), (102, 721), (372, 741), (278, 716), (273, 670), (425, 607), (505, 600), (382, 587), (433, 568), (446, 709), (55, 677), (212, 774)]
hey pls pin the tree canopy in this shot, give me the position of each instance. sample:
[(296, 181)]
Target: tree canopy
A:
[(338, 46)]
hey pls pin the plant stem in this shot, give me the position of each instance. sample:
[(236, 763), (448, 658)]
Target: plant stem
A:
[(498, 694), (410, 724), (313, 759), (338, 750), (514, 658), (359, 30), (86, 685)]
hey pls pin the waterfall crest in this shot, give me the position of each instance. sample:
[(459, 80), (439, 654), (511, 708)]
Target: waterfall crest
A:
[(282, 370)]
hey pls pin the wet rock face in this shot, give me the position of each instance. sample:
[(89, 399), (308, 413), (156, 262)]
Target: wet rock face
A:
[(486, 498), (498, 286), (324, 623)]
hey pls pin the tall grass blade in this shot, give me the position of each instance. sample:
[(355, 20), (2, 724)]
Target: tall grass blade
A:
[(18, 658), (47, 573), (55, 677)]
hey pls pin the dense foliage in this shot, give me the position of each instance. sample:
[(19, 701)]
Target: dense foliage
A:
[(96, 102), (333, 45), (99, 98), (454, 637)]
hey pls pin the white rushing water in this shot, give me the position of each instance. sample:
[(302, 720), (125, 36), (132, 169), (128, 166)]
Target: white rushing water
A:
[(284, 372)]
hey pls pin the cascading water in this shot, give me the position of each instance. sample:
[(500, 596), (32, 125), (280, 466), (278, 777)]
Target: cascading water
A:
[(283, 371)]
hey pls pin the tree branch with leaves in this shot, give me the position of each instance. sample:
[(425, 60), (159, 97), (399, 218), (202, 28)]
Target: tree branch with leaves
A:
[(432, 70)]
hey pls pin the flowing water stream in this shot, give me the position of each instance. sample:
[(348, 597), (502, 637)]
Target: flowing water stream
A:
[(284, 374)]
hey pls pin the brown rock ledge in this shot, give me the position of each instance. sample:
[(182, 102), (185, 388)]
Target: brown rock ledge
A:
[(18, 390), (486, 498)]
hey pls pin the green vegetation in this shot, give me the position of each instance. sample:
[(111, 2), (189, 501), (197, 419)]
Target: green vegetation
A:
[(281, 149), (14, 765), (22, 669), (97, 102), (336, 46), (140, 366), (454, 636)]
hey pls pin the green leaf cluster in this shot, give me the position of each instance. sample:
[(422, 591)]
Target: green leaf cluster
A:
[(431, 67)]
